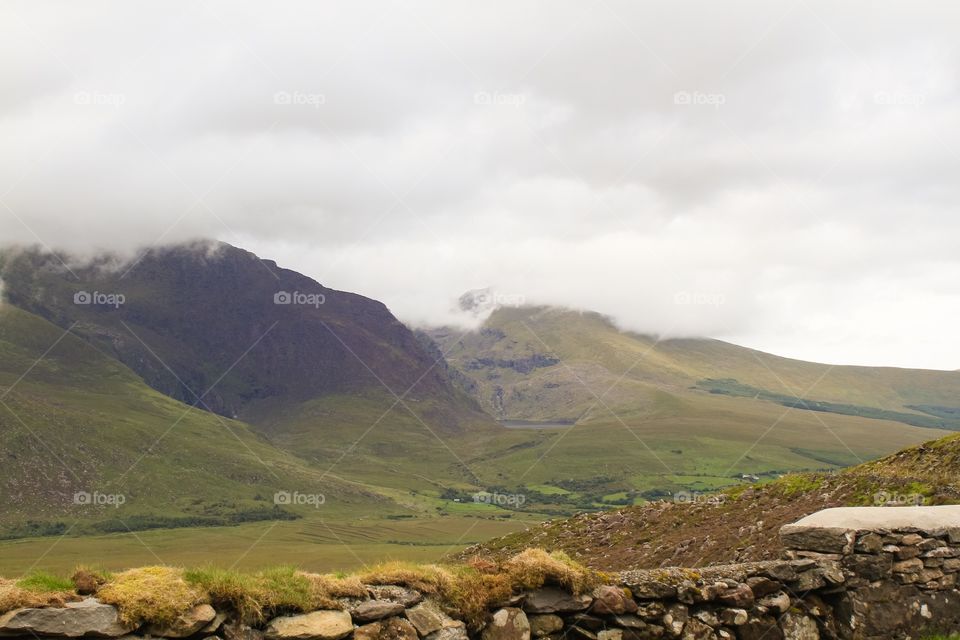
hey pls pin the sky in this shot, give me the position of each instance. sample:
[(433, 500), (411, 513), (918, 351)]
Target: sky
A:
[(778, 174)]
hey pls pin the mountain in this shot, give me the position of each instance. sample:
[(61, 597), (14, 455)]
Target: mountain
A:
[(198, 380), (693, 530), (330, 376), (549, 364), (626, 417)]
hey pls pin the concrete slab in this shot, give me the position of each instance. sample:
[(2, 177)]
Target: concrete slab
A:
[(860, 518)]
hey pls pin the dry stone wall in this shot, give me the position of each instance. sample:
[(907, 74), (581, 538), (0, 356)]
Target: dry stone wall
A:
[(845, 578)]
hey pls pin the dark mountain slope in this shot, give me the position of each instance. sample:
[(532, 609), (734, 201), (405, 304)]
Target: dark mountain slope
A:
[(205, 320)]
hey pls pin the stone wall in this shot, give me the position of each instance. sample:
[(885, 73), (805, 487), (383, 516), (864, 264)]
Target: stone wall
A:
[(844, 576)]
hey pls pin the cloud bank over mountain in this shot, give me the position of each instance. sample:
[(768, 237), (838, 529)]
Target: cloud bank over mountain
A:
[(779, 175)]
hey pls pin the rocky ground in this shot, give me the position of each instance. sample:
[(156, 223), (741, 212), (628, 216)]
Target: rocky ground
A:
[(738, 526)]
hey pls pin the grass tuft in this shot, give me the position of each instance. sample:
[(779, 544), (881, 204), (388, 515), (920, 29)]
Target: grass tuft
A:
[(151, 595), (13, 596), (534, 568), (42, 582), (159, 594), (258, 596)]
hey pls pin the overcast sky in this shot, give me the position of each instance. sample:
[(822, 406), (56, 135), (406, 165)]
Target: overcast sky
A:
[(779, 174)]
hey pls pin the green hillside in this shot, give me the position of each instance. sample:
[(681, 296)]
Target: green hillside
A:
[(541, 363), (651, 418), (74, 421)]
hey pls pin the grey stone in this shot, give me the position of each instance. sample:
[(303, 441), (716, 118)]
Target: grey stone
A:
[(544, 624), (453, 630), (799, 627), (239, 631), (89, 617), (406, 597), (550, 600), (508, 623), (317, 625), (426, 617), (372, 610), (816, 538), (610, 600)]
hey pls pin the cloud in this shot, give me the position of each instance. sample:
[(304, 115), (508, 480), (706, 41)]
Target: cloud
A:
[(783, 176)]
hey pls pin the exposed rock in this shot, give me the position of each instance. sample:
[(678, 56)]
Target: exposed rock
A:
[(406, 597), (368, 631), (696, 630), (586, 621), (426, 617), (544, 624), (508, 623), (239, 631), (799, 627), (740, 596), (550, 600), (186, 624), (371, 610), (777, 602), (318, 625), (734, 617), (397, 629), (610, 634), (452, 630), (762, 628), (610, 600), (816, 538), (89, 617), (675, 618), (215, 624), (630, 621)]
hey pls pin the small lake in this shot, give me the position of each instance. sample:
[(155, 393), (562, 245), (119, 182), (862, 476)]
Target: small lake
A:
[(527, 424)]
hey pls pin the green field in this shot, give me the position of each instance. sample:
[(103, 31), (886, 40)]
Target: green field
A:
[(314, 544)]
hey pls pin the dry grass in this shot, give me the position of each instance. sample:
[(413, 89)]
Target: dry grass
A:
[(534, 568), (469, 591), (426, 578), (159, 594), (151, 595), (256, 597), (14, 596)]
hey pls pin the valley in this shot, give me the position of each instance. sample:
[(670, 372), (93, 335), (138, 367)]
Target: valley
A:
[(201, 414)]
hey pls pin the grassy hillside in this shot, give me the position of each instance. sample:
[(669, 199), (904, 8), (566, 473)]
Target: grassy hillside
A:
[(541, 363), (652, 418), (73, 420), (742, 523)]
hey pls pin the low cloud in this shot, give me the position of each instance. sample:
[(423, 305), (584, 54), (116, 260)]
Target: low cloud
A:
[(781, 176)]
